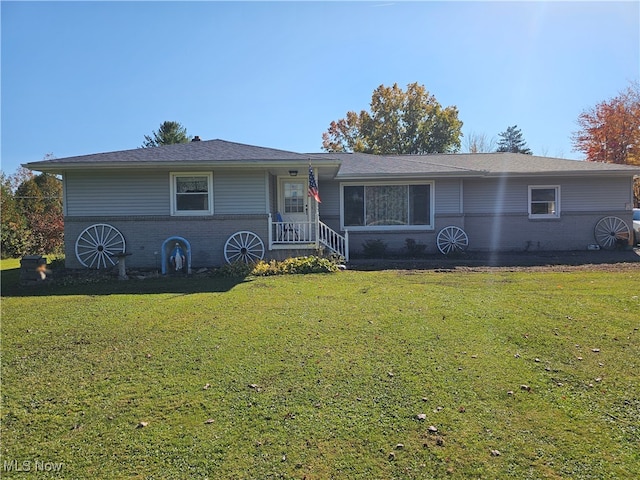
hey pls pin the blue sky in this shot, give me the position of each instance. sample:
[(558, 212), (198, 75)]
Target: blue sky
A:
[(89, 77)]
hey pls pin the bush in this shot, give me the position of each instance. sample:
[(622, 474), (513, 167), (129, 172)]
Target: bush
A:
[(414, 249), (235, 270), (374, 248), (263, 268), (311, 264)]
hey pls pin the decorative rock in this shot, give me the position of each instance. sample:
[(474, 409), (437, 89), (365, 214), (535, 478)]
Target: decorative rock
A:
[(421, 416), (392, 456), (400, 446), (432, 429), (495, 453), (142, 424), (207, 386), (595, 350), (525, 387), (209, 421)]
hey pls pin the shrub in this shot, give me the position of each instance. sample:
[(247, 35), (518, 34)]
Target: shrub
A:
[(235, 270), (414, 249), (374, 248), (311, 264)]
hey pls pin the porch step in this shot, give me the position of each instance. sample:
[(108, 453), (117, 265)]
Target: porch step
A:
[(333, 241)]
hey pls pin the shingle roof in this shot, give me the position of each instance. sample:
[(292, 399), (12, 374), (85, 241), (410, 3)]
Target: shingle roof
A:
[(192, 152), (360, 165), (352, 165)]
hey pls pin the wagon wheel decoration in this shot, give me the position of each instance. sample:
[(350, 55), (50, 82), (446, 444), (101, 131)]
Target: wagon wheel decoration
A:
[(611, 232), (452, 239), (97, 244), (243, 247)]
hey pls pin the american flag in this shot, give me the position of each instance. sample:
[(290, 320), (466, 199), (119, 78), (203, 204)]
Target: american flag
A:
[(313, 186)]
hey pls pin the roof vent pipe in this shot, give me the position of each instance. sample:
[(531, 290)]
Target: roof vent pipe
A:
[(196, 139)]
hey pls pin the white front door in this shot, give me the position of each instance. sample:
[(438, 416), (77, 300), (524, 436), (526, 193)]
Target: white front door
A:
[(293, 203)]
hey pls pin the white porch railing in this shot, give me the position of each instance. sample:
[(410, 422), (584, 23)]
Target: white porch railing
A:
[(332, 240), (287, 234)]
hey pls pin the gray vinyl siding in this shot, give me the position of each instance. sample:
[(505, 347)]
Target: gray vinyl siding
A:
[(497, 195), (128, 193), (330, 196), (447, 196), (237, 192), (493, 196), (596, 194), (110, 192)]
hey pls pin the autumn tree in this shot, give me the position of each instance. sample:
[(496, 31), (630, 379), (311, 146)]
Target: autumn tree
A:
[(512, 140), (14, 234), (168, 134), (399, 122), (39, 200), (610, 131)]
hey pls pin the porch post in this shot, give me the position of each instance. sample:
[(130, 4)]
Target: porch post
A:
[(317, 225), (270, 232), (346, 246)]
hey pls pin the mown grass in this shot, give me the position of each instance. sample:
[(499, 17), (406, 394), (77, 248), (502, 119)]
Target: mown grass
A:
[(323, 376)]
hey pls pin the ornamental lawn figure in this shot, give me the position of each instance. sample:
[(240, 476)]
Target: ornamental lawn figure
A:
[(177, 258)]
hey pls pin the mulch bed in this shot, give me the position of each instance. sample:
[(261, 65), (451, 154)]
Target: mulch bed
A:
[(603, 260)]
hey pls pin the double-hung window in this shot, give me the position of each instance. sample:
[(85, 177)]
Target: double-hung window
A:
[(544, 201), (388, 206), (191, 193)]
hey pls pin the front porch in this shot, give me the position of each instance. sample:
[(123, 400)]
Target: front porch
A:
[(312, 235)]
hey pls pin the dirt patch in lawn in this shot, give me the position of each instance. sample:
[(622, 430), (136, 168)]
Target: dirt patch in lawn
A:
[(602, 260)]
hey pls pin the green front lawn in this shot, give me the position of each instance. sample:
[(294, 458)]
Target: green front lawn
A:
[(325, 376)]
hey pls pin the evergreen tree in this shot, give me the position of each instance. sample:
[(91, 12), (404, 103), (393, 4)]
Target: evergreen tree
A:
[(168, 134), (512, 141)]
